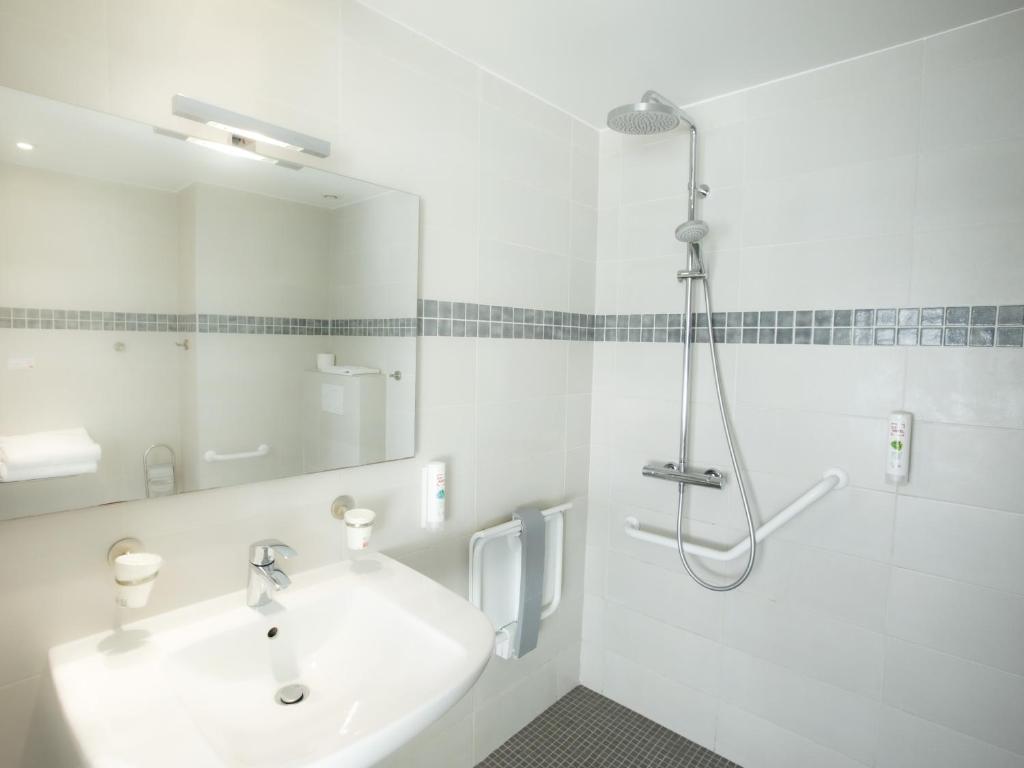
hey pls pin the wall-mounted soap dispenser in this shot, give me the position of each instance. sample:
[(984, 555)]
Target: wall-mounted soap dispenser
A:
[(135, 572)]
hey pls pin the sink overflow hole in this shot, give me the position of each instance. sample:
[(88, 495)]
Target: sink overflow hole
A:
[(291, 694), (272, 632)]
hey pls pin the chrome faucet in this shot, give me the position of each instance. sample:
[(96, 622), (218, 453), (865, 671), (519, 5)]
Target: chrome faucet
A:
[(265, 577)]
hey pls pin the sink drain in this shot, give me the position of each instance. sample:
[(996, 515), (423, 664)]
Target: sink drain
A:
[(291, 694)]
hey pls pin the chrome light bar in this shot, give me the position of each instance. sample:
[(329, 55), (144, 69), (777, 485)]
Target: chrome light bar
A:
[(707, 478), (246, 127)]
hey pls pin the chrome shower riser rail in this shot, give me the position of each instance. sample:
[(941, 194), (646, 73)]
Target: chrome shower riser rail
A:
[(833, 479)]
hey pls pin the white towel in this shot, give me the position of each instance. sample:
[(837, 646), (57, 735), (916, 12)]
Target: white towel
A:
[(8, 475), (42, 449)]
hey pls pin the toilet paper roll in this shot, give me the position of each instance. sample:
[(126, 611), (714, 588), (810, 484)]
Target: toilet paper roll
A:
[(324, 361)]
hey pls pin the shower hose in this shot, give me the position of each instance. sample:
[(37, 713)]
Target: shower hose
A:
[(724, 413)]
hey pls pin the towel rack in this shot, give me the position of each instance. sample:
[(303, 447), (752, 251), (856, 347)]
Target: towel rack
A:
[(262, 450), (833, 479)]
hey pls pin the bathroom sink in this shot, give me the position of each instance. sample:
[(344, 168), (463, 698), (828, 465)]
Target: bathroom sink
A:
[(341, 669)]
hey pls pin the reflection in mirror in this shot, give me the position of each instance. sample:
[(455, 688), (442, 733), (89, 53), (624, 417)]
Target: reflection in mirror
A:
[(175, 319)]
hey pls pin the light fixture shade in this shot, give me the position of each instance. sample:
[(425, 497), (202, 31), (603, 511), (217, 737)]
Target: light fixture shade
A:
[(248, 127)]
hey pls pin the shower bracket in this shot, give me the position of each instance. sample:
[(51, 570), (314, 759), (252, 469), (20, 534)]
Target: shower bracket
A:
[(684, 274), (706, 478)]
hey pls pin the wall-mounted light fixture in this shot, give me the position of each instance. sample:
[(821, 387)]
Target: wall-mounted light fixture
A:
[(248, 128), (237, 147), (24, 146)]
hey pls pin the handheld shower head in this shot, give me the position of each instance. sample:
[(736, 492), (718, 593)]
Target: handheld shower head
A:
[(692, 231), (644, 118)]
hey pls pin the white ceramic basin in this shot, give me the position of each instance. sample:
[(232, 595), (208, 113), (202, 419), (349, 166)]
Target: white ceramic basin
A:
[(383, 650)]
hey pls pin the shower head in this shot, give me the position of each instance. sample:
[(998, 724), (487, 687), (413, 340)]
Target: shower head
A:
[(644, 118), (692, 231)]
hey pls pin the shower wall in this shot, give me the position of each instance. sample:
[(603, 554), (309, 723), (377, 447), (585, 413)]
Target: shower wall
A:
[(883, 626)]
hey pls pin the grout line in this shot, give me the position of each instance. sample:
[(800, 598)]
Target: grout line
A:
[(850, 59)]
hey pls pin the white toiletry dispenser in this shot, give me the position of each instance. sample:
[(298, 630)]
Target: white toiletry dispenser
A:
[(434, 496), (135, 572), (897, 461)]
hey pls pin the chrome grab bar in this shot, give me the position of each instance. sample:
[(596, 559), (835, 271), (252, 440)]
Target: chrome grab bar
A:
[(707, 478)]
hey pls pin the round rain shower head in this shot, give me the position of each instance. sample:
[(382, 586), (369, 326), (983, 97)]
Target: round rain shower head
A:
[(643, 119), (692, 231)]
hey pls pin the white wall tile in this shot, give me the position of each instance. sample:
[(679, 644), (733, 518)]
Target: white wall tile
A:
[(807, 642), (515, 213), (910, 742), (834, 718), (942, 277), (976, 700), (987, 387), (518, 151), (654, 169), (977, 69), (835, 380), (966, 543), (503, 368), (869, 198), (942, 469), (663, 649), (976, 623), (860, 74), (750, 740), (992, 170), (847, 588), (821, 134), (844, 274), (518, 275), (675, 602)]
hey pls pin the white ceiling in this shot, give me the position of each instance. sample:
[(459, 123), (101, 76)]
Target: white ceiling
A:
[(586, 56)]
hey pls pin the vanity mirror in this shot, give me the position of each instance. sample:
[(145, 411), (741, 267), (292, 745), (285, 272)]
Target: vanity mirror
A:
[(174, 318)]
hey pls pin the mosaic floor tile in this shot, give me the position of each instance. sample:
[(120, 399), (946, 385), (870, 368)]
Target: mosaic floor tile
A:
[(584, 729)]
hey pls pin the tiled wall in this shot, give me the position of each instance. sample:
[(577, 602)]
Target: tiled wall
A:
[(508, 188), (882, 627)]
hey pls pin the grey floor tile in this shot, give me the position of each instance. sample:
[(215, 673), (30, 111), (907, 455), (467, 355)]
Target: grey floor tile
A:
[(584, 729)]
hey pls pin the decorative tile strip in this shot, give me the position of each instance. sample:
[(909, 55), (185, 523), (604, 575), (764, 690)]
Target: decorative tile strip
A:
[(93, 320), (306, 326), (389, 326), (263, 325), (953, 326), (496, 321)]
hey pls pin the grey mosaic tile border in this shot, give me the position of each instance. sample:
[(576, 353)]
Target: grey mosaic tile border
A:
[(497, 321), (390, 326), (952, 326), (93, 320)]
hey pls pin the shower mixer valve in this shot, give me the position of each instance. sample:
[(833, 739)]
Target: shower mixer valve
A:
[(706, 478)]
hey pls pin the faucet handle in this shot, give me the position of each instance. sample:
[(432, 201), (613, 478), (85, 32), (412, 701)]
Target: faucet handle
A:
[(262, 552)]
